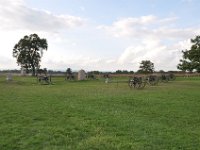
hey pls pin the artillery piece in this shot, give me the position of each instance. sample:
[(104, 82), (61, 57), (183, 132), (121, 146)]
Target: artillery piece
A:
[(137, 83)]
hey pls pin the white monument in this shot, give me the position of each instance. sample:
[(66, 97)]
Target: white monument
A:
[(81, 75), (23, 71), (9, 77)]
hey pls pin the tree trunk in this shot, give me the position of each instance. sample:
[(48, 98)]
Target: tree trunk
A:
[(33, 70)]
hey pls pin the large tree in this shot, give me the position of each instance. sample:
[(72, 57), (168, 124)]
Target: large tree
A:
[(28, 52), (146, 66), (191, 57), (69, 71)]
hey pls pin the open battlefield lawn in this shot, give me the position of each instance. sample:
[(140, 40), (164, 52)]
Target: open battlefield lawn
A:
[(87, 115)]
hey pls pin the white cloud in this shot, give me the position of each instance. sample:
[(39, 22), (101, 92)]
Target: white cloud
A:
[(16, 15), (152, 38), (79, 62), (164, 57), (4, 63), (148, 27)]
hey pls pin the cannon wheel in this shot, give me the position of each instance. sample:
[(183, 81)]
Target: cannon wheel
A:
[(142, 85), (153, 83), (137, 85), (131, 84)]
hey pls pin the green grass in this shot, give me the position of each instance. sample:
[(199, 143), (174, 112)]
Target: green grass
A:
[(94, 115)]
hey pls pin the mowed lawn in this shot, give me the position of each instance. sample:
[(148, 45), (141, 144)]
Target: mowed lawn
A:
[(91, 115)]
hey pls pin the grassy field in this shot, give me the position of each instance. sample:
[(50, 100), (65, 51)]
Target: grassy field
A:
[(94, 115)]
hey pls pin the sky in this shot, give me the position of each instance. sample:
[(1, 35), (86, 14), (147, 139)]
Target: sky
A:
[(105, 35)]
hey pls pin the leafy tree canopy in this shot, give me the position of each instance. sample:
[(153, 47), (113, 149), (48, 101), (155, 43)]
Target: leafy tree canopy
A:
[(69, 71), (146, 66), (28, 52), (191, 58)]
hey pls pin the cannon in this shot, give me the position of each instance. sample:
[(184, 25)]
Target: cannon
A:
[(137, 83)]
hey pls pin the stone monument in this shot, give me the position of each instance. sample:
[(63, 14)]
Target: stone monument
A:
[(23, 71), (81, 75), (9, 77)]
